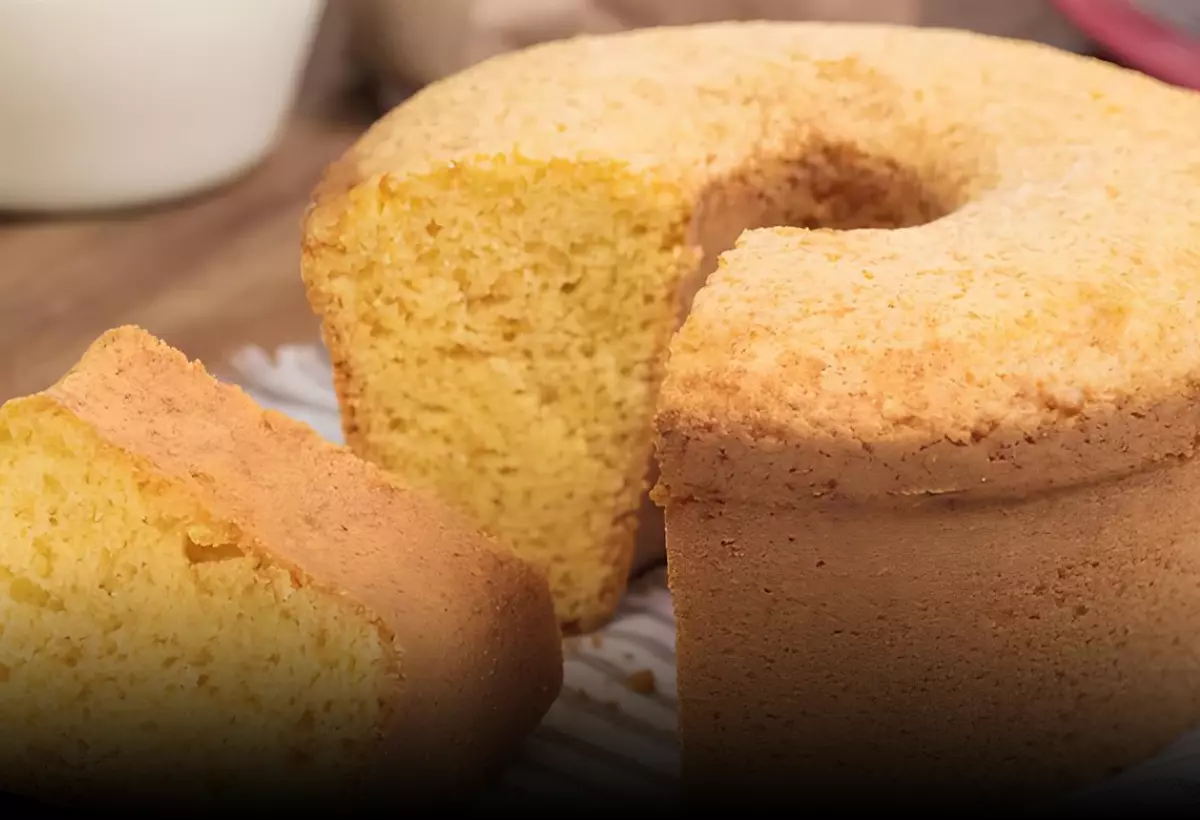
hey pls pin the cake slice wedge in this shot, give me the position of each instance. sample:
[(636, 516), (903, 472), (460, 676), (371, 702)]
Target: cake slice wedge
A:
[(203, 601)]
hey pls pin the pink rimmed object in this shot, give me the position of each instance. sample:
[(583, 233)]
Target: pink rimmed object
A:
[(1158, 37)]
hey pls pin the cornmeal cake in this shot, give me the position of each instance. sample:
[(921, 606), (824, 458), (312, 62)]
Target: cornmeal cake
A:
[(926, 451), (201, 601)]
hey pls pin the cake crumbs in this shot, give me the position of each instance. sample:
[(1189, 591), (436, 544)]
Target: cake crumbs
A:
[(641, 682), (572, 647)]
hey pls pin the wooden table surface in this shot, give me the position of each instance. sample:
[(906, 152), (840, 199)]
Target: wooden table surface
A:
[(209, 274)]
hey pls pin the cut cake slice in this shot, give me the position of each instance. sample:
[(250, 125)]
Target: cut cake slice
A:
[(202, 599)]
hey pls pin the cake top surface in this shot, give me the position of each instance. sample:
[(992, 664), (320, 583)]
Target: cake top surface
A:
[(1060, 276), (693, 102)]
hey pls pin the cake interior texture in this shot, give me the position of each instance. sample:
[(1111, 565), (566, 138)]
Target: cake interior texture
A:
[(147, 650), (523, 297)]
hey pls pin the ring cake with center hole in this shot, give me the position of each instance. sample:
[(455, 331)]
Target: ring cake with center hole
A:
[(926, 454)]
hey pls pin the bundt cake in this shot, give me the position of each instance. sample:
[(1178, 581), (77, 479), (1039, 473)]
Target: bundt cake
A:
[(500, 262), (925, 452), (203, 602)]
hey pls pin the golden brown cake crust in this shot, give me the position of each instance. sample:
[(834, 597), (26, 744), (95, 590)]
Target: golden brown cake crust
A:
[(987, 651), (480, 650), (1053, 302)]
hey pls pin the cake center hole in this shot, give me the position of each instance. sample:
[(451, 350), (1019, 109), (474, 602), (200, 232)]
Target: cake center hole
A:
[(832, 186)]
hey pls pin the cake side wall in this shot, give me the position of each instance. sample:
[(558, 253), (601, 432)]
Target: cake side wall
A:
[(985, 651), (720, 450)]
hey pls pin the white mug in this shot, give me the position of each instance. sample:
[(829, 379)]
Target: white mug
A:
[(114, 103)]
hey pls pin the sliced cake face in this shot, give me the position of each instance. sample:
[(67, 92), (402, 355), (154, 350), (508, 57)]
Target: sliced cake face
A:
[(497, 329), (148, 647)]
